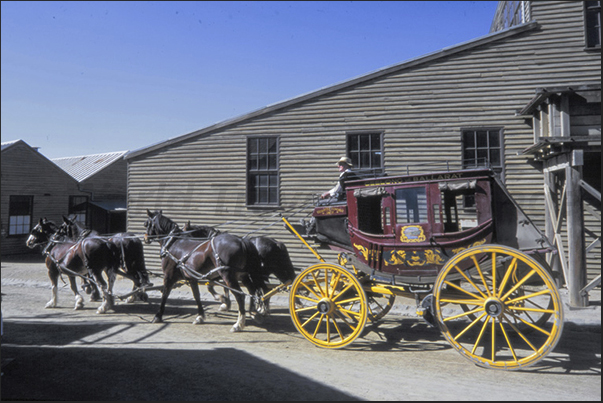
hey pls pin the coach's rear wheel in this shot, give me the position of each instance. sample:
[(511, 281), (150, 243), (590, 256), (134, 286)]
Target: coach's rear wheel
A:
[(328, 305), (504, 315)]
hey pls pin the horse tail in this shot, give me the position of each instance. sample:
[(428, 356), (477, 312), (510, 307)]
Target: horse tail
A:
[(253, 264), (284, 261)]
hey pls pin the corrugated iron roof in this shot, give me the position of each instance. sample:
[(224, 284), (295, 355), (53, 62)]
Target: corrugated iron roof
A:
[(85, 166)]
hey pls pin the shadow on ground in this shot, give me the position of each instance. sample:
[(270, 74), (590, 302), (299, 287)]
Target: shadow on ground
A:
[(59, 372)]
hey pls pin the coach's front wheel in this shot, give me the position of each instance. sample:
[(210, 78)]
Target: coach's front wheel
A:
[(328, 305)]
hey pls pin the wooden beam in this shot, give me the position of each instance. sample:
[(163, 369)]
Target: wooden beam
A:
[(575, 237), (594, 192), (558, 239)]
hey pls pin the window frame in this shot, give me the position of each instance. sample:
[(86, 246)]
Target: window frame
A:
[(418, 206), (251, 192), (73, 202), (592, 8), (468, 201), (499, 168), (354, 155), (12, 206)]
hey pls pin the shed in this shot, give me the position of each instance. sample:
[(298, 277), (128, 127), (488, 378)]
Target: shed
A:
[(103, 178), (32, 187)]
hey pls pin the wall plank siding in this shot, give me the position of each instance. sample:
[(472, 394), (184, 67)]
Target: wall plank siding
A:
[(27, 172), (420, 107)]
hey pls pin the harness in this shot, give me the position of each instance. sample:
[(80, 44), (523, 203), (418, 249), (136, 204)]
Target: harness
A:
[(62, 269), (181, 264)]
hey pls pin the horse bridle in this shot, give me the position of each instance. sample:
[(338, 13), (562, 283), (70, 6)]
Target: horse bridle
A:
[(39, 230), (150, 225)]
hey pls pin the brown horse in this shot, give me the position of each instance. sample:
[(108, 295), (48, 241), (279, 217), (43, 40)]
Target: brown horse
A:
[(87, 258), (273, 258), (129, 248), (224, 256)]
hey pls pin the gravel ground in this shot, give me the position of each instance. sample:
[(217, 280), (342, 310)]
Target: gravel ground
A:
[(62, 354)]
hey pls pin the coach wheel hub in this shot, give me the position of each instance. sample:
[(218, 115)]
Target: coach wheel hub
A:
[(326, 306), (494, 307)]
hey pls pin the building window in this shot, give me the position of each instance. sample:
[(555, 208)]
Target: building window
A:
[(592, 24), (20, 210), (509, 14), (262, 171), (482, 148), (78, 206), (366, 152)]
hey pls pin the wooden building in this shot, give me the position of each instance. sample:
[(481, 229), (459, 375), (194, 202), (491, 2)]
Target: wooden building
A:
[(32, 187), (103, 178), (462, 106)]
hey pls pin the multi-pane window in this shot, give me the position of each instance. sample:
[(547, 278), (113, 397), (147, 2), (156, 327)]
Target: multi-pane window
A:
[(20, 212), (78, 207), (592, 24), (366, 151), (483, 148), (262, 171)]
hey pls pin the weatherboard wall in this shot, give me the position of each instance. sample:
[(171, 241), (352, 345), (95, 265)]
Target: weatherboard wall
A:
[(26, 172), (420, 107)]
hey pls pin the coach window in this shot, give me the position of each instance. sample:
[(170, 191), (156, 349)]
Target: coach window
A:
[(262, 171), (20, 211), (411, 205)]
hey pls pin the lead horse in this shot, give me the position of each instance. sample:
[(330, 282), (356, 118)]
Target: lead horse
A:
[(87, 258), (225, 256), (129, 248)]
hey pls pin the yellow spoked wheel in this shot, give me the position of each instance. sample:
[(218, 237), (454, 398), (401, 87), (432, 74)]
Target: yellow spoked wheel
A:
[(379, 305), (503, 312), (328, 305)]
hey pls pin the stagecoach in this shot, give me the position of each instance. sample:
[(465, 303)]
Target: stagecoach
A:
[(456, 242)]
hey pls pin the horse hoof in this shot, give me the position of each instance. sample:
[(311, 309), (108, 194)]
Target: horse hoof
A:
[(258, 318), (51, 304), (199, 320), (223, 308), (157, 320)]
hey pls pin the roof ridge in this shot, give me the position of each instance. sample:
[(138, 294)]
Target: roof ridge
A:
[(444, 52)]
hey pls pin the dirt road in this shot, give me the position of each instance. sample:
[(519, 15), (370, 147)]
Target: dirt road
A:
[(62, 354)]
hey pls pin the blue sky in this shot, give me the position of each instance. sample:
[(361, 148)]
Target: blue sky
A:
[(91, 77)]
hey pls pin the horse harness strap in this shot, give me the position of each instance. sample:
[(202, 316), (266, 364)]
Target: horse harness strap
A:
[(216, 256), (62, 268), (181, 264)]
